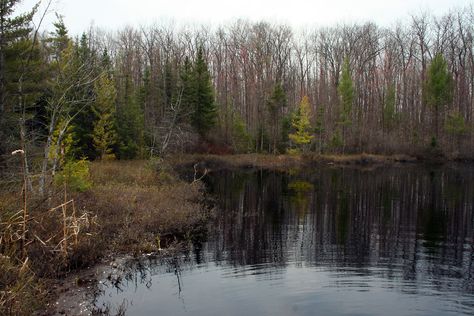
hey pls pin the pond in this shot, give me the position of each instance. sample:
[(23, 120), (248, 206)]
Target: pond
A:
[(330, 241)]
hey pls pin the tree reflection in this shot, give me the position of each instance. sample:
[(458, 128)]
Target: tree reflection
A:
[(411, 222)]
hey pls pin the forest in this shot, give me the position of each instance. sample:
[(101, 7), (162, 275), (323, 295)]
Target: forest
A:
[(129, 99), (239, 88)]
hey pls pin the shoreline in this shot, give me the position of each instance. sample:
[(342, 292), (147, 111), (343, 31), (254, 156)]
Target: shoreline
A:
[(134, 208), (71, 293), (284, 162)]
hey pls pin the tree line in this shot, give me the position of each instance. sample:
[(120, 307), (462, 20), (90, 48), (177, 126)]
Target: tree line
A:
[(242, 87)]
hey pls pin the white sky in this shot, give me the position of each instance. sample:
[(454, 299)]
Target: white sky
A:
[(114, 14)]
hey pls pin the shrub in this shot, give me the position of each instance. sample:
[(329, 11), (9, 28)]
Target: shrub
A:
[(75, 175)]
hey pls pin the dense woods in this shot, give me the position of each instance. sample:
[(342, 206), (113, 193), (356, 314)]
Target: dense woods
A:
[(150, 90)]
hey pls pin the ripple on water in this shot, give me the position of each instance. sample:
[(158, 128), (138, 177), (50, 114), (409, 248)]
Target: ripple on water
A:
[(385, 242)]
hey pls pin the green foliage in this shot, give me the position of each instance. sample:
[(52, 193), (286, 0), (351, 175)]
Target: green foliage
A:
[(277, 100), (104, 134), (59, 38), (300, 186), (234, 130), (170, 83), (285, 132), (204, 116), (14, 26), (62, 149), (390, 116), (22, 72), (275, 105), (346, 94), (86, 62), (336, 140), (438, 84), (241, 138), (71, 95), (75, 175), (438, 87), (302, 126), (129, 126), (456, 125), (187, 91), (261, 138), (319, 124)]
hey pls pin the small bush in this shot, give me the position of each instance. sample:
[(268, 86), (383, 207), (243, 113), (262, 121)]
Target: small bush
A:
[(75, 175), (293, 151)]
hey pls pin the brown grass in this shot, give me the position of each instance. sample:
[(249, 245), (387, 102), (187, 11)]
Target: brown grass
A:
[(141, 207), (284, 162), (132, 207)]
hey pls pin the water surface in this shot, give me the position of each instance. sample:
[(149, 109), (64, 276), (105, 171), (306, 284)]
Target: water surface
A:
[(391, 241)]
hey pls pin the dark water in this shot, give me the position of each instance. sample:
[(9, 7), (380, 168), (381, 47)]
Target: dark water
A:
[(393, 241)]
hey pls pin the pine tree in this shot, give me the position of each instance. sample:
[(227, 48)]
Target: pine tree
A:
[(104, 135), (187, 88), (302, 136), (129, 125), (69, 96), (21, 75), (204, 116), (456, 126), (59, 38), (12, 28), (389, 111), (275, 105), (84, 123), (346, 95), (438, 88)]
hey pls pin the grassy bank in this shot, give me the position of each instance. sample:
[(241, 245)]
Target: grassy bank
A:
[(132, 207), (284, 162)]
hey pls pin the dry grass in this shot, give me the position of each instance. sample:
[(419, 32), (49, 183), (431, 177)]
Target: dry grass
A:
[(135, 172), (21, 293), (141, 207), (132, 207), (284, 162)]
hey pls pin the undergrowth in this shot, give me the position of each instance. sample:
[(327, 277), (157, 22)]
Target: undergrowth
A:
[(90, 211)]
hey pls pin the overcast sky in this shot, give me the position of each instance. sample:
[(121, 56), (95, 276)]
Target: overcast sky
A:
[(113, 14)]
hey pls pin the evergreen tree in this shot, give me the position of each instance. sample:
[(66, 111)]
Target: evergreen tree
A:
[(389, 113), (204, 113), (302, 136), (84, 123), (21, 74), (187, 88), (275, 105), (285, 131), (346, 95), (238, 135), (438, 88), (59, 39), (65, 103), (12, 28), (104, 134), (456, 127), (169, 85), (106, 63), (129, 125)]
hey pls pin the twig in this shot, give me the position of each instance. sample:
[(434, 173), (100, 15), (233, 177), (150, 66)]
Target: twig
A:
[(201, 177)]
